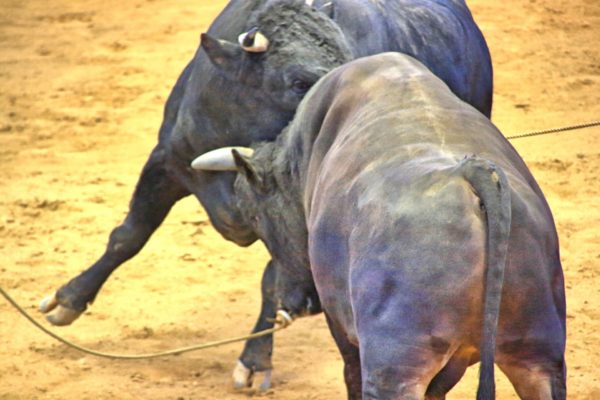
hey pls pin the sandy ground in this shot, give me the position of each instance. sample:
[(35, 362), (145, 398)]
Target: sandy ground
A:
[(82, 85)]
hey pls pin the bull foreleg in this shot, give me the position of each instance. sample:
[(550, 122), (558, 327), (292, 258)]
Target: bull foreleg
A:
[(254, 366), (155, 194)]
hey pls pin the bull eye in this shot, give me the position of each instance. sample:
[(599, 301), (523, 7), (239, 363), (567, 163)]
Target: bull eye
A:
[(299, 86)]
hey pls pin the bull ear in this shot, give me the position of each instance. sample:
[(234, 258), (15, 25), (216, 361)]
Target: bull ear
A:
[(245, 167), (224, 55)]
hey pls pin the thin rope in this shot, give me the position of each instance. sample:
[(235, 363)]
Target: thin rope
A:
[(282, 321), (554, 130)]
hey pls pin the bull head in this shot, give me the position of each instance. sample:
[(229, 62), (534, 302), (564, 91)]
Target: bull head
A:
[(227, 55)]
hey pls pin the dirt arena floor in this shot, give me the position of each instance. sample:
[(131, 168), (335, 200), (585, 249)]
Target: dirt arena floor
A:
[(82, 86)]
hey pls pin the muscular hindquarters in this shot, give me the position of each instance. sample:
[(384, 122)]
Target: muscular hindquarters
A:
[(531, 327), (398, 259), (412, 281)]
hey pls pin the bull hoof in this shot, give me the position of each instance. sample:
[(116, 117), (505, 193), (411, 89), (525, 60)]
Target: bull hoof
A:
[(60, 315), (48, 304), (262, 380), (63, 316), (244, 378)]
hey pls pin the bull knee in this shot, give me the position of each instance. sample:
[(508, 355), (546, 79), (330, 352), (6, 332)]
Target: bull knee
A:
[(126, 239)]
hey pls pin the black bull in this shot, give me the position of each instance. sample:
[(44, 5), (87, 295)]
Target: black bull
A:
[(227, 96), (428, 240)]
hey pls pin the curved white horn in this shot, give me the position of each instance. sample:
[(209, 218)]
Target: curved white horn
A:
[(220, 159), (253, 41)]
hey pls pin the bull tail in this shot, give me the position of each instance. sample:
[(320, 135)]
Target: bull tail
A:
[(491, 186)]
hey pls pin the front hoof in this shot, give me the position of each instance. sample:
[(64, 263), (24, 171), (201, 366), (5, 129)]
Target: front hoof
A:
[(262, 380), (244, 377), (60, 315), (48, 304), (63, 316)]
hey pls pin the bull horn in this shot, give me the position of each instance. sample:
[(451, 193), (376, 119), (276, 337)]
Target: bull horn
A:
[(253, 41), (220, 159)]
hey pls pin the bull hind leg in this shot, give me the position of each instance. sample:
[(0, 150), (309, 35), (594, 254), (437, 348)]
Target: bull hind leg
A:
[(532, 353), (396, 381), (154, 196), (416, 382), (537, 381), (351, 357), (449, 376), (398, 369)]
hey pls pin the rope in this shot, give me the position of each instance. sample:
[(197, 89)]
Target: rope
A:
[(554, 130), (282, 321)]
